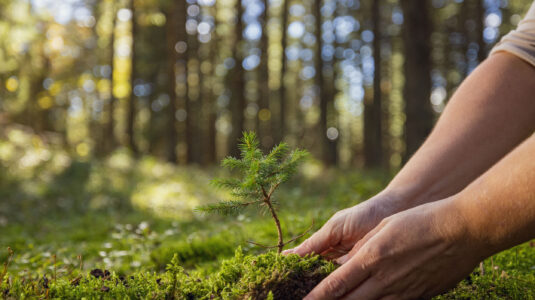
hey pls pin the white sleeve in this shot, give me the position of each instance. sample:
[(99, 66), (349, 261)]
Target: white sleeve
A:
[(520, 42)]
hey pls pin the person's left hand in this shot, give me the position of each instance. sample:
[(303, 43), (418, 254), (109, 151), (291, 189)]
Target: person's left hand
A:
[(417, 253)]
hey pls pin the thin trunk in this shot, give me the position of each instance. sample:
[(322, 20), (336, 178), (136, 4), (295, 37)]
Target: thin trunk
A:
[(109, 131), (131, 118), (373, 148), (212, 113), (176, 21), (264, 112), (238, 84), (417, 70), (480, 26), (192, 100), (328, 155), (281, 130)]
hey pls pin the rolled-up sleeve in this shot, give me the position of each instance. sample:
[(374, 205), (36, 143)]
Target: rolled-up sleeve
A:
[(520, 42)]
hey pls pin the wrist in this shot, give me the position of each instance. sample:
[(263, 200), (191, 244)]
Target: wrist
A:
[(403, 197), (388, 202), (464, 229)]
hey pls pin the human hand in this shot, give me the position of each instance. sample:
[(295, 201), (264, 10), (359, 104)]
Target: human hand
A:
[(338, 236), (417, 253)]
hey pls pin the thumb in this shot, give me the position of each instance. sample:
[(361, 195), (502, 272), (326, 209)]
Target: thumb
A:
[(317, 243)]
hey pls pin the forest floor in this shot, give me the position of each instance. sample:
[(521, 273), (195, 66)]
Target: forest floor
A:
[(63, 216)]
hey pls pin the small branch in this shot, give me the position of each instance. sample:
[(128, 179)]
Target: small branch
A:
[(263, 246), (273, 188), (301, 235), (267, 201), (266, 196)]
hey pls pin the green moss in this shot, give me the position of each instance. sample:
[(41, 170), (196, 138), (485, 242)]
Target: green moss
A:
[(241, 277)]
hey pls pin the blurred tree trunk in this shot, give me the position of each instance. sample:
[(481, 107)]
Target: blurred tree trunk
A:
[(131, 117), (192, 100), (281, 128), (238, 85), (212, 106), (480, 27), (417, 69), (264, 114), (328, 153), (176, 19), (109, 131), (373, 148)]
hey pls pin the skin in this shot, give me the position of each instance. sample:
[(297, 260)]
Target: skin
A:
[(466, 194)]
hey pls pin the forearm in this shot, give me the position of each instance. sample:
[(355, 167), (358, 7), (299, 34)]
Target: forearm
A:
[(490, 114), (498, 209)]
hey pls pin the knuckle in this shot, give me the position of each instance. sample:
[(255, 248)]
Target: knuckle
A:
[(337, 215), (335, 286), (374, 255)]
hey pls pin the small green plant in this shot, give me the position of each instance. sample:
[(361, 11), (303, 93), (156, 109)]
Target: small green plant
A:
[(260, 176)]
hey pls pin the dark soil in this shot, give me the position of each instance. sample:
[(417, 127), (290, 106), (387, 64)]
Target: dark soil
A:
[(290, 287), (98, 273)]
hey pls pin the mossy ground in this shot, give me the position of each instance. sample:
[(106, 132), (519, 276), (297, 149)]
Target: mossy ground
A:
[(241, 277), (65, 215)]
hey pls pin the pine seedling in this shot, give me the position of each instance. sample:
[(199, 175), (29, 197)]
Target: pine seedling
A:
[(260, 176)]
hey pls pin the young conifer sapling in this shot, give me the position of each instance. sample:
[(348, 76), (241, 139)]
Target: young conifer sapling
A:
[(259, 177)]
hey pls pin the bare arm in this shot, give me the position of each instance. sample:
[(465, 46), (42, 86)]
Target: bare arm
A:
[(490, 114), (499, 207)]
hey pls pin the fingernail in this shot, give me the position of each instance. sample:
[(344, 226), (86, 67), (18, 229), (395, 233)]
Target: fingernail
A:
[(288, 251)]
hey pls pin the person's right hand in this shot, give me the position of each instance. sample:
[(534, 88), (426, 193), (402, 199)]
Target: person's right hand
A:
[(348, 226)]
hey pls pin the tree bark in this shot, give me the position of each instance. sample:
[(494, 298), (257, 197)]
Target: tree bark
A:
[(417, 69), (212, 112), (176, 20), (238, 85), (328, 152), (131, 117), (109, 131), (373, 146), (480, 27), (281, 128), (264, 123)]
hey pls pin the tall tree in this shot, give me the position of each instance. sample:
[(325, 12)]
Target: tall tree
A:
[(109, 132), (212, 112), (176, 26), (480, 27), (373, 148), (131, 116), (281, 127), (192, 101), (328, 152), (238, 84), (264, 113), (417, 69)]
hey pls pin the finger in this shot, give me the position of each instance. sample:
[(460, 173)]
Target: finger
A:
[(341, 281), (334, 253), (288, 251), (320, 241), (345, 258), (371, 289)]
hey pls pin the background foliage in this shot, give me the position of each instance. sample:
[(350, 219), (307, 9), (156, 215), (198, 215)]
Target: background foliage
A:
[(181, 80)]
